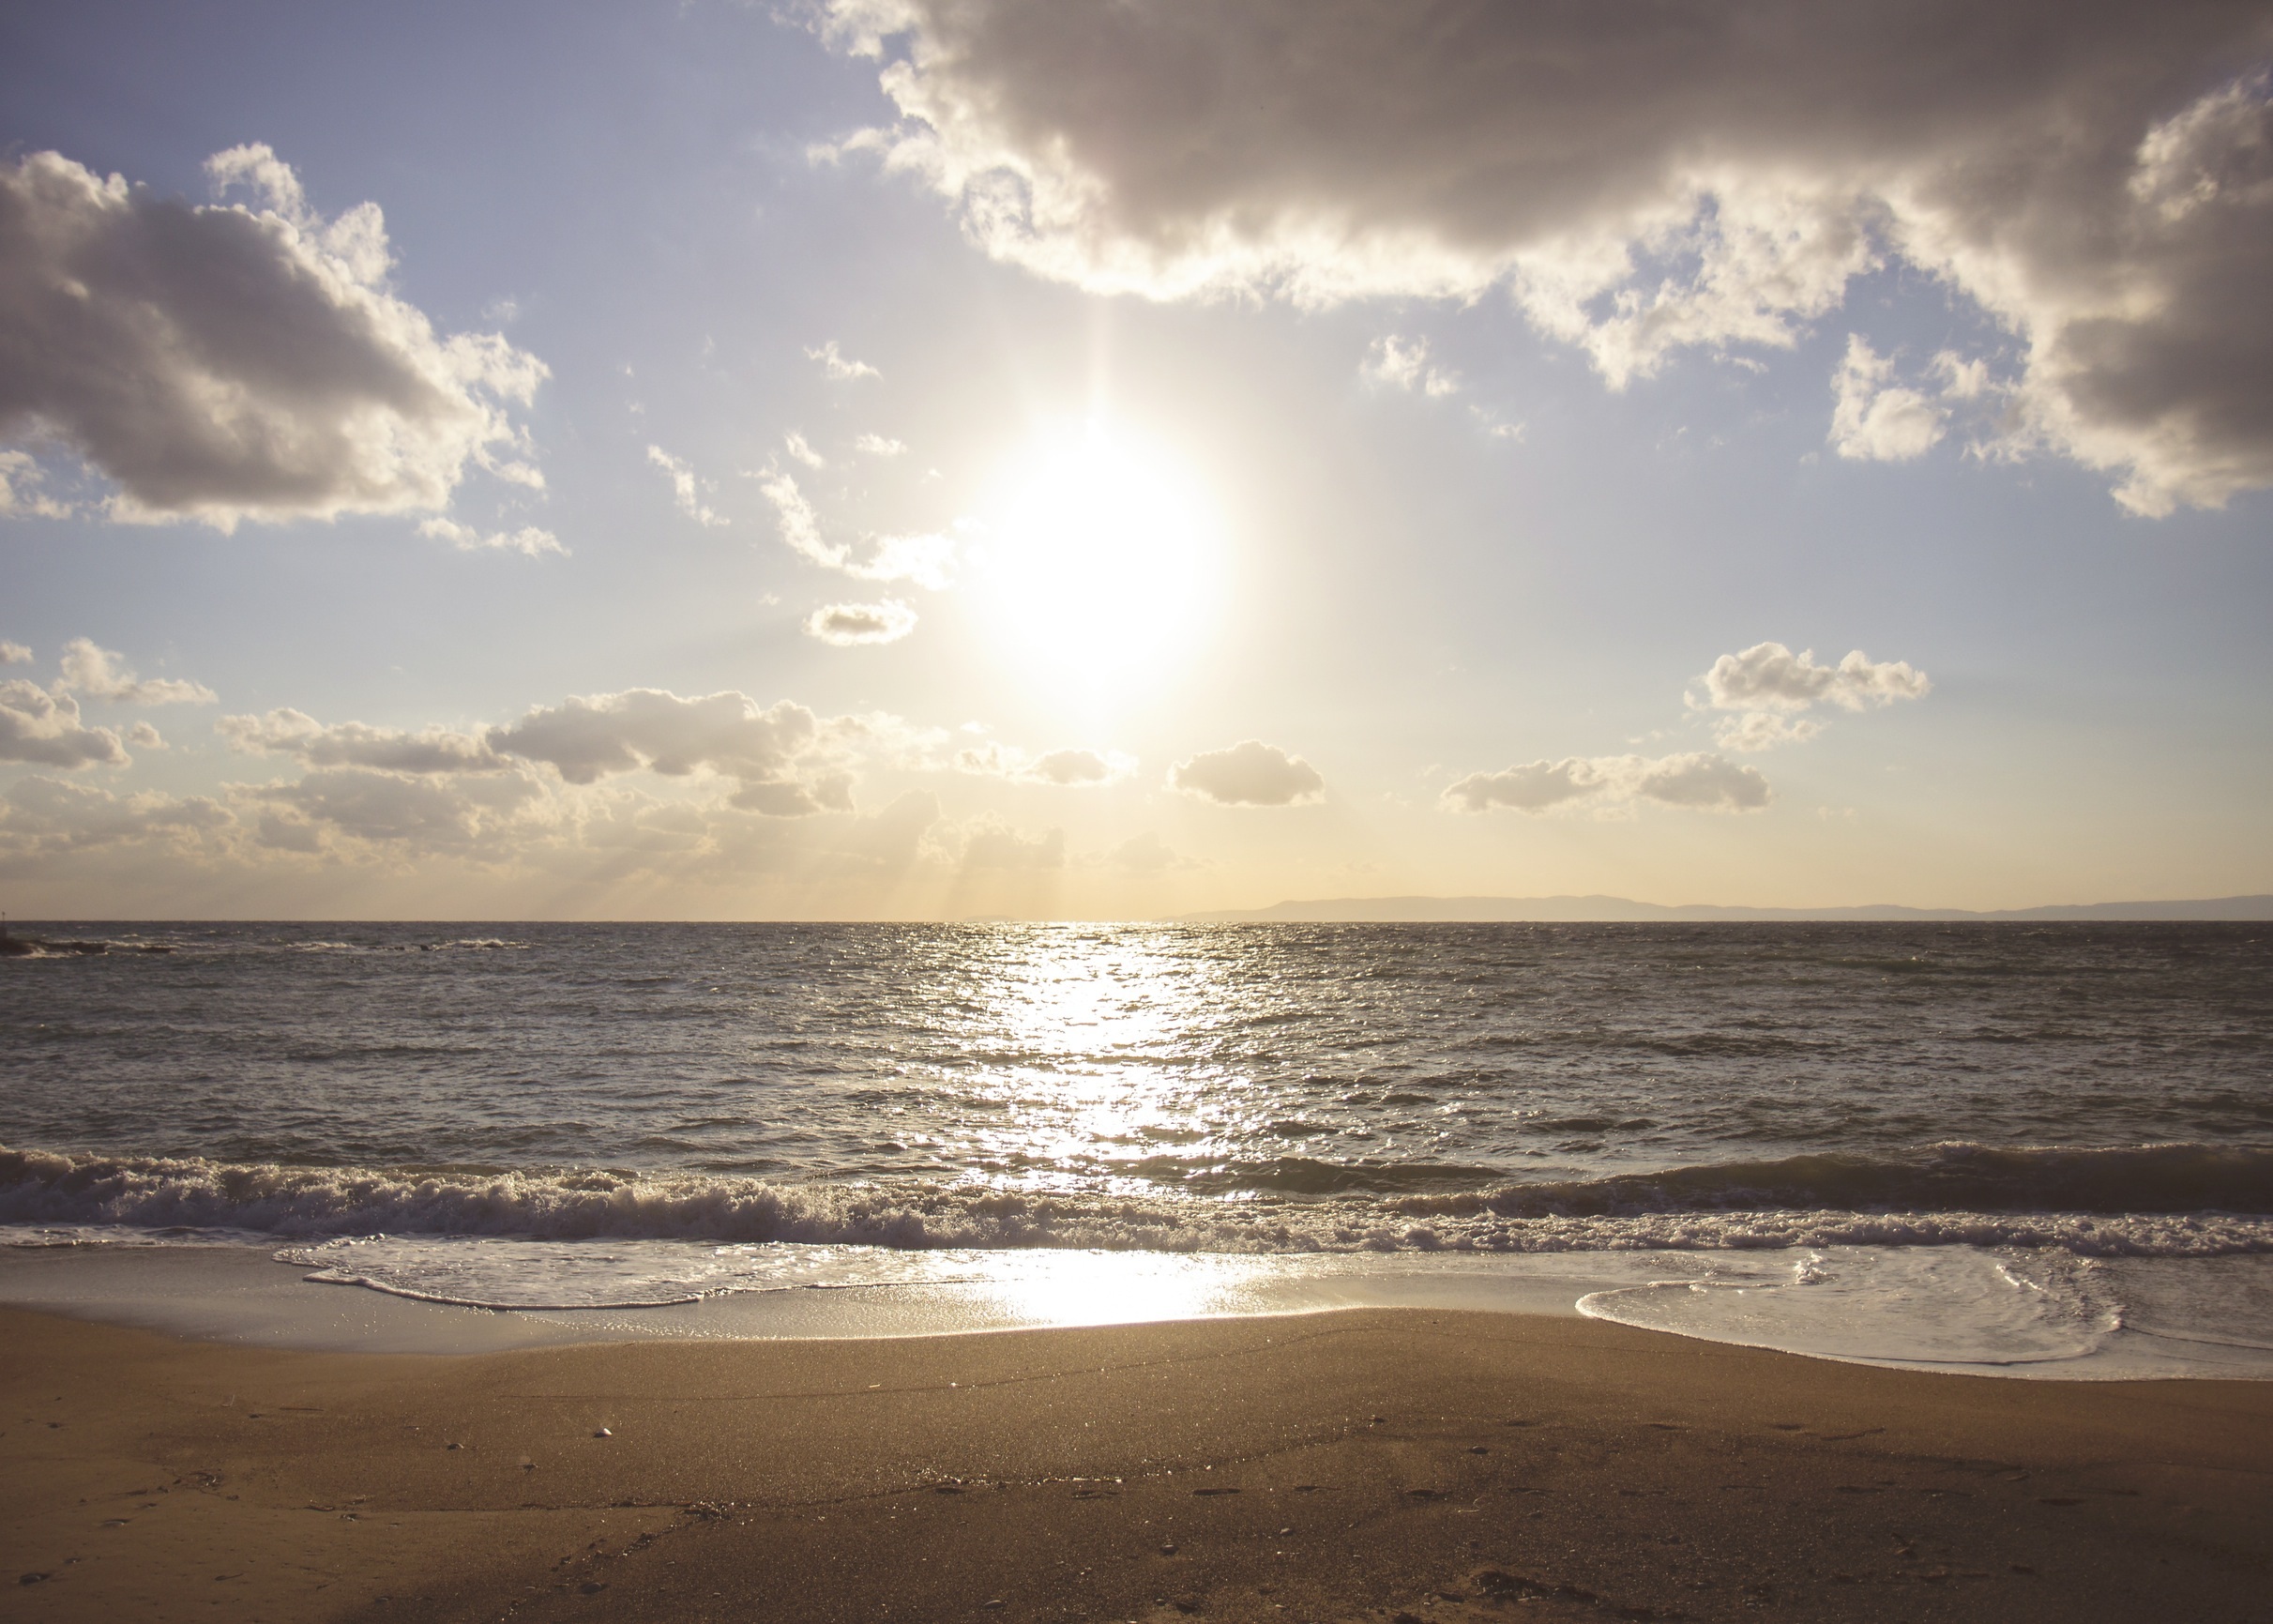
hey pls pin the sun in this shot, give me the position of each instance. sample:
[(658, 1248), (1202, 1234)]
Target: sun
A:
[(1103, 558)]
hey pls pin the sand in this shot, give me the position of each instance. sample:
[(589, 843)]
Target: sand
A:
[(1371, 1464)]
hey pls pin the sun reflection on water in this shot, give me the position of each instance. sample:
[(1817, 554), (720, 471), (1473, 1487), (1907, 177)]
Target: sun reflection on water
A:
[(1092, 1053)]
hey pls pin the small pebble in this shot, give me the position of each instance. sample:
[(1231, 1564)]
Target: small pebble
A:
[(603, 1432), (1168, 1550)]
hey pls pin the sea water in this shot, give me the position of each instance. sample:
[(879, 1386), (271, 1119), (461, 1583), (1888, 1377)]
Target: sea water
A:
[(2034, 1149)]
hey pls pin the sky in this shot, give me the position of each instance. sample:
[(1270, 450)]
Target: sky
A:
[(1110, 458)]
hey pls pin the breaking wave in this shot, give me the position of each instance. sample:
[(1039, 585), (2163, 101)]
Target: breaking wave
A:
[(2163, 1200)]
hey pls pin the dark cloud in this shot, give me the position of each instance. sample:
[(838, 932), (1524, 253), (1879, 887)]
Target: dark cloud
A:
[(233, 362), (1643, 176)]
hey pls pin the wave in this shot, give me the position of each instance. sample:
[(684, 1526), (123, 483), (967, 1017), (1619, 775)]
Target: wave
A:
[(1950, 1177), (2188, 1201)]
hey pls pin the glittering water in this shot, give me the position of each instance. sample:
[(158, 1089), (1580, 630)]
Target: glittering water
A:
[(2098, 1090)]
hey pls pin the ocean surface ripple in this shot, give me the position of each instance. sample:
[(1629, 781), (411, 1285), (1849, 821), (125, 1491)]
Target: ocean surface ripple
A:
[(2101, 1089)]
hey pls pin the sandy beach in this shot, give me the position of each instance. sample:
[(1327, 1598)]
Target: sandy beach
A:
[(1371, 1464)]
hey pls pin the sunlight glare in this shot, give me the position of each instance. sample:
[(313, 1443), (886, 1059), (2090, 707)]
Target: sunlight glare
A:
[(1104, 559)]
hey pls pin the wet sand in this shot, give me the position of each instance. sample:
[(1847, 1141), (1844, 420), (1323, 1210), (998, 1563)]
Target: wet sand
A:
[(1375, 1464)]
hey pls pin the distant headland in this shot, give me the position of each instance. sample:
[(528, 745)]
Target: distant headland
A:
[(1546, 910)]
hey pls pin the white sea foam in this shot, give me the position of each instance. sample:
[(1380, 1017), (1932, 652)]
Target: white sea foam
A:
[(48, 1188), (1949, 1306)]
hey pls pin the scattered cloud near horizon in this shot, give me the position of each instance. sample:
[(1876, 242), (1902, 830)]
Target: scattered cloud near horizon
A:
[(1698, 780), (1071, 768), (1249, 773)]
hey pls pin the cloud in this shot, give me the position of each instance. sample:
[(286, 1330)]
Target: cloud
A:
[(142, 736), (43, 727), (1642, 179), (780, 754), (928, 560), (686, 492), (1875, 420), (990, 844), (848, 624), (803, 453), (98, 674), (1250, 773), (387, 808), (20, 492), (14, 654), (1066, 768), (1405, 364), (45, 818), (1145, 854), (237, 361), (529, 541), (838, 368), (1758, 730), (1698, 780), (877, 446), (294, 732), (1770, 677)]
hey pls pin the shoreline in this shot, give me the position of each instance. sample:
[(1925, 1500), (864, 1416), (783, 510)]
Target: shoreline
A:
[(1340, 1466), (269, 1293)]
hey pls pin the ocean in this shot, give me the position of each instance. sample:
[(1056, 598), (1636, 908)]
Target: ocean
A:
[(2043, 1150)]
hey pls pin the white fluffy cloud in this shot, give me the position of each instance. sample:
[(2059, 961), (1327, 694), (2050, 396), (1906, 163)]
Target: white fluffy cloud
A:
[(928, 560), (780, 753), (877, 446), (686, 489), (988, 843), (529, 541), (1144, 856), (1406, 364), (46, 818), (442, 816), (1768, 684), (1067, 769), (20, 496), (238, 361), (1698, 780), (839, 367), (1770, 677), (850, 625), (1250, 773), (294, 732), (46, 728), (102, 673), (14, 654), (1874, 420), (1641, 178)]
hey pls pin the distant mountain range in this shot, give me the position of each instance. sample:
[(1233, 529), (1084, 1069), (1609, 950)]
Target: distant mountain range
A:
[(1485, 910)]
